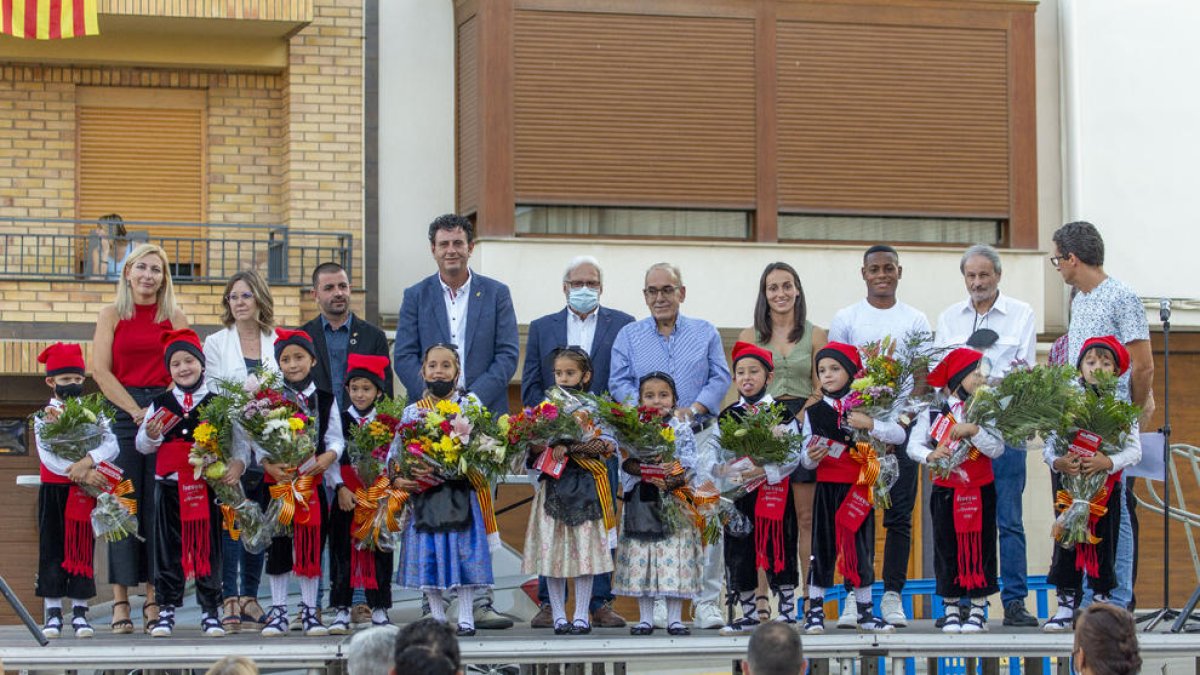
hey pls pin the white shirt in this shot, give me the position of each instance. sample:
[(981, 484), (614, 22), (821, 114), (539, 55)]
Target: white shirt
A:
[(105, 452), (861, 323), (582, 332), (456, 314), (1012, 320)]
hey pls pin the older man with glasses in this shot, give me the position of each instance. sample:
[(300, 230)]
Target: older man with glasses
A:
[(1003, 329)]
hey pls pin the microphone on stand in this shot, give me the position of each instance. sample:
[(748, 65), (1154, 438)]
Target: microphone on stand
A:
[(1164, 310)]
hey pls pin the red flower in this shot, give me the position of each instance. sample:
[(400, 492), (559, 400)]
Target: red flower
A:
[(445, 426)]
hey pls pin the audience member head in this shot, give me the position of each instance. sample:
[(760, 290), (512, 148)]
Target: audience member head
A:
[(1106, 641), (426, 647), (233, 665), (372, 651), (774, 649)]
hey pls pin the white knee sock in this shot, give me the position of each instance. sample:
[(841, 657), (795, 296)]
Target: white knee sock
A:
[(646, 611), (76, 602), (557, 589), (53, 603), (863, 595), (437, 605), (308, 590), (279, 589), (583, 598), (674, 611), (466, 606), (816, 592)]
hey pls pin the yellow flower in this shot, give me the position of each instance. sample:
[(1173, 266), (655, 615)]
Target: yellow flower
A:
[(203, 432), (296, 424), (668, 434), (448, 408)]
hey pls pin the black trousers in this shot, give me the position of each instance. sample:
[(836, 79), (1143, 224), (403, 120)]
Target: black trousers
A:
[(827, 497), (741, 557), (52, 580), (1063, 574), (340, 552), (131, 562), (897, 521), (945, 543), (279, 553), (169, 582)]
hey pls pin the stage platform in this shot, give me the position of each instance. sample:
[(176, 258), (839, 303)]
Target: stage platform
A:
[(522, 645)]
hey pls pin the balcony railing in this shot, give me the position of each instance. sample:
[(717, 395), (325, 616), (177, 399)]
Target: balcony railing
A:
[(41, 248)]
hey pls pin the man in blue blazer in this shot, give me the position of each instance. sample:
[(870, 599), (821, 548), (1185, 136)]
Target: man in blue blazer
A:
[(582, 323), (471, 312), (457, 307)]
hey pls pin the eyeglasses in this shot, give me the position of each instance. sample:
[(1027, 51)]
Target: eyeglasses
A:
[(234, 297), (594, 285), (665, 291), (1056, 259)]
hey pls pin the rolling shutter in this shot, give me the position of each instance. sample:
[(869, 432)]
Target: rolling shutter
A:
[(467, 129)]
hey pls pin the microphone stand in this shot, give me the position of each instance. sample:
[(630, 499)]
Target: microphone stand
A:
[(1166, 613)]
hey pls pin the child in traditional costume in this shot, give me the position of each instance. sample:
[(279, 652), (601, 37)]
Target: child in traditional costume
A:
[(843, 535), (446, 547), (767, 503), (962, 503), (572, 525), (300, 553), (187, 519), (657, 558), (66, 543), (1096, 560)]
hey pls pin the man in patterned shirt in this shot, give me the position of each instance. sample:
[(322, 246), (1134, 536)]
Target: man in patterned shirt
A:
[(1104, 306)]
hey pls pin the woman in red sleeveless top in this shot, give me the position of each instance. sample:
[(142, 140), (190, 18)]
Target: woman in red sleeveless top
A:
[(128, 367)]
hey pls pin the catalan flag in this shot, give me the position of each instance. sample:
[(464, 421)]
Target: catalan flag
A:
[(48, 19)]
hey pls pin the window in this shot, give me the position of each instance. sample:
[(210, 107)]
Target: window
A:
[(890, 229), (625, 222)]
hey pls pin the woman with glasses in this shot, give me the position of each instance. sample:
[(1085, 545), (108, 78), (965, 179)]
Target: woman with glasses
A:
[(246, 344), (781, 326)]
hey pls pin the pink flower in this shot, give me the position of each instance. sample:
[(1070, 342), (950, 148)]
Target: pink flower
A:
[(460, 428)]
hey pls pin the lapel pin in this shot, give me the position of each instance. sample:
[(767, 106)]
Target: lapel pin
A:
[(353, 341)]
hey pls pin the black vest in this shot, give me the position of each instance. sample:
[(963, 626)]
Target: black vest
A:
[(323, 401), (823, 421), (187, 421)]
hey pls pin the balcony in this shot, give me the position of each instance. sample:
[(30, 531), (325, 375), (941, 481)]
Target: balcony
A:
[(43, 249)]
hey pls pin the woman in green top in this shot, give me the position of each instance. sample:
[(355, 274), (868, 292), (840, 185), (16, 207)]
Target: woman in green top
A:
[(781, 325)]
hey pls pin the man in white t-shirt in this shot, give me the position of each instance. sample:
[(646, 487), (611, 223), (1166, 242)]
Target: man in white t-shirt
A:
[(877, 316)]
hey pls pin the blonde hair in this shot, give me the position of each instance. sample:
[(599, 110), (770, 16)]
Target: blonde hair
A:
[(166, 292), (262, 298), (233, 665)]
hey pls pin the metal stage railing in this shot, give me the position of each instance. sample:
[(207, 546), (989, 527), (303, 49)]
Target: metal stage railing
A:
[(1180, 511)]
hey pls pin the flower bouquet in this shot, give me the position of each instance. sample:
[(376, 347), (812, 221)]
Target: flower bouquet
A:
[(375, 521), (760, 435), (79, 428), (488, 452), (563, 418), (885, 388), (1102, 423), (1027, 401), (643, 432)]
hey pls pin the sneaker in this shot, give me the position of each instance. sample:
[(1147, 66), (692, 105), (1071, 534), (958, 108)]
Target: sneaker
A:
[(849, 616), (359, 614), (312, 622), (296, 623), (487, 618), (544, 618), (977, 621), (79, 623), (165, 625), (605, 617), (660, 613), (1015, 614), (814, 619), (277, 622), (891, 609), (210, 625), (707, 615), (341, 622), (741, 626), (54, 623), (379, 617), (951, 621)]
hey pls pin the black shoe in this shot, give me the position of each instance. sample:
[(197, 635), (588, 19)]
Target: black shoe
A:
[(464, 630), (678, 629), (580, 627), (1015, 614), (562, 627), (642, 629)]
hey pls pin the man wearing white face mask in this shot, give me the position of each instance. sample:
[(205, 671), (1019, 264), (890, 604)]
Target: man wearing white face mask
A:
[(585, 324)]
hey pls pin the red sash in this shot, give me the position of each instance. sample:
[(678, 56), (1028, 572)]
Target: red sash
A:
[(768, 524), (1086, 558), (362, 562), (195, 537), (968, 516), (79, 544), (850, 516)]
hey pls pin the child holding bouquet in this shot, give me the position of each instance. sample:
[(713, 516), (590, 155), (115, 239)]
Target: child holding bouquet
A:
[(445, 540), (570, 527), (657, 558), (843, 510), (1100, 454), (187, 519), (298, 479), (767, 492), (364, 385), (962, 503), (66, 543)]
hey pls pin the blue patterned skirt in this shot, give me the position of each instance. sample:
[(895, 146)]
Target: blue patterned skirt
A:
[(446, 560)]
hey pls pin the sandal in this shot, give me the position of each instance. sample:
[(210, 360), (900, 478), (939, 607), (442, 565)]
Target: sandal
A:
[(147, 622), (121, 626), (231, 620), (251, 611)]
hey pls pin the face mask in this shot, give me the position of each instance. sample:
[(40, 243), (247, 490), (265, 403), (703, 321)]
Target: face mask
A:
[(440, 388), (583, 300), (65, 391)]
